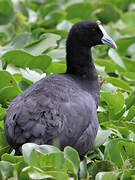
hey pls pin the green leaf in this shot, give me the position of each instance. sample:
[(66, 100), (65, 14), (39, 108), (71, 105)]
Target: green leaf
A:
[(64, 25), (47, 41), (107, 176), (6, 80), (130, 50), (56, 67), (129, 125), (73, 11), (69, 166), (4, 147), (118, 83), (129, 63), (6, 15), (105, 9), (114, 101), (131, 114), (100, 166), (44, 10), (6, 32), (130, 100), (2, 112), (20, 6), (103, 116), (7, 94), (72, 154), (129, 75), (124, 43), (116, 58), (118, 150), (36, 173), (57, 54), (58, 175), (128, 173), (12, 159), (124, 127), (123, 6), (17, 43), (101, 137), (48, 149), (110, 66), (6, 170), (51, 160), (128, 18), (29, 147), (54, 18), (83, 169), (23, 59)]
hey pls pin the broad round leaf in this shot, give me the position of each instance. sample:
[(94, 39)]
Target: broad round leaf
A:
[(23, 59), (72, 154), (118, 150), (6, 11), (107, 176), (115, 101)]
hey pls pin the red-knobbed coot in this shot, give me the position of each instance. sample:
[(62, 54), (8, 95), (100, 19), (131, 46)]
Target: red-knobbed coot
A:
[(62, 107)]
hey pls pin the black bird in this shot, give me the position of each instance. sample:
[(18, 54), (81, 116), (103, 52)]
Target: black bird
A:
[(62, 107)]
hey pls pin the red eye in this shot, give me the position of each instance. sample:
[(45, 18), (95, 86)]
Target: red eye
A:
[(94, 30)]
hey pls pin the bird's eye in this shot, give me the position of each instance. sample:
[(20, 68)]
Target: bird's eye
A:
[(94, 30)]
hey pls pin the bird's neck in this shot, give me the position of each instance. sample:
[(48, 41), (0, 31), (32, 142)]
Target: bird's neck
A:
[(79, 61)]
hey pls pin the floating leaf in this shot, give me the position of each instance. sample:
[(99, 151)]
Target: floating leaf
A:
[(130, 100), (47, 41), (115, 101), (4, 147), (2, 112), (119, 150), (73, 11), (109, 65), (106, 166), (54, 18), (8, 87), (44, 10), (118, 83), (56, 67), (131, 114), (124, 42), (129, 75), (6, 170), (116, 58), (105, 9), (107, 175), (29, 147), (52, 160), (6, 16), (128, 18), (6, 80), (101, 137), (17, 43), (23, 59), (12, 159), (36, 173), (72, 154), (129, 64)]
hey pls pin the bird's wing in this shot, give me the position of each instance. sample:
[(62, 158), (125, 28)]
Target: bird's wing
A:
[(42, 113)]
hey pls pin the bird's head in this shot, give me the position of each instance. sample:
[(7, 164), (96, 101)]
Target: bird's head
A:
[(91, 33)]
